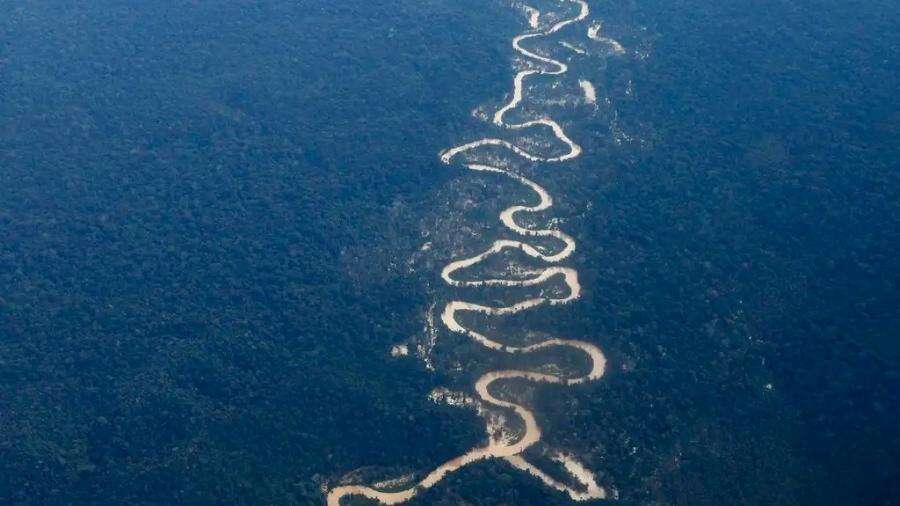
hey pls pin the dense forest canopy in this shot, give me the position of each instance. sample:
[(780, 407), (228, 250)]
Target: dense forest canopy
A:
[(211, 226)]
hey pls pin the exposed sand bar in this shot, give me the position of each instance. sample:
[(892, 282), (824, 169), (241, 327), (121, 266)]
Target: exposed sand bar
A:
[(534, 16), (590, 93), (593, 33)]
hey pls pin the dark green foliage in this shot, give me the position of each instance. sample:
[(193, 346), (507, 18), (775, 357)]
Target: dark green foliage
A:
[(206, 209)]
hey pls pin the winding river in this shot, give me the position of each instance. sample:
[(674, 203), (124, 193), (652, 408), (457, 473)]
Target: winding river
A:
[(512, 450)]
